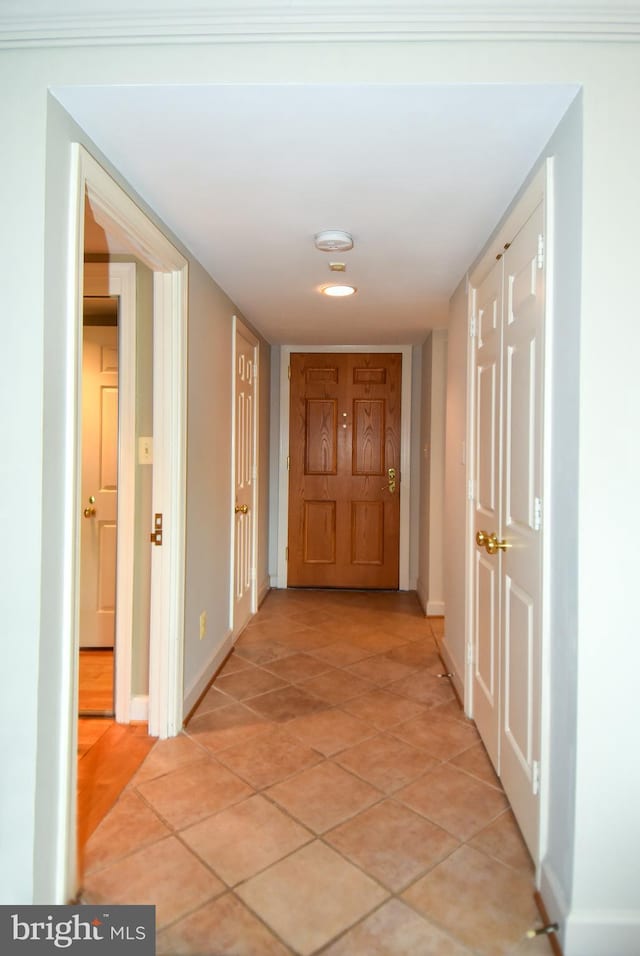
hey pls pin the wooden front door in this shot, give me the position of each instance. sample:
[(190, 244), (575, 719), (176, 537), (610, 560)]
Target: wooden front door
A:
[(344, 470)]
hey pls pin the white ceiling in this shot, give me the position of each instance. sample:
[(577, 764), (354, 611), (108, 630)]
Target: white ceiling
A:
[(245, 175)]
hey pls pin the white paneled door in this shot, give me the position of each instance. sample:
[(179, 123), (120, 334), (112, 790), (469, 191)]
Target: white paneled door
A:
[(99, 486), (244, 516), (486, 657), (509, 350)]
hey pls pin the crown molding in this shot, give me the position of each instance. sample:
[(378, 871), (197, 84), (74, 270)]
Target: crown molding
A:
[(29, 23)]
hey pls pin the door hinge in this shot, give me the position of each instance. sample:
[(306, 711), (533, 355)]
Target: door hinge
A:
[(537, 514), (156, 535), (535, 777), (540, 255), (472, 327), (288, 462), (286, 554), (470, 490), (289, 372)]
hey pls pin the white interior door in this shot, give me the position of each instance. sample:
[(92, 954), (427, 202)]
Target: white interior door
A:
[(99, 486), (520, 527), (244, 516), (487, 486)]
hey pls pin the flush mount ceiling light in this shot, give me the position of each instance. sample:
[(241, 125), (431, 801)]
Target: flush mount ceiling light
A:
[(338, 291), (333, 240)]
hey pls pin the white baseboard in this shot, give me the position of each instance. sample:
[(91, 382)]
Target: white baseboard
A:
[(589, 932), (594, 932), (452, 667), (273, 580), (263, 590), (435, 608), (139, 707), (206, 673)]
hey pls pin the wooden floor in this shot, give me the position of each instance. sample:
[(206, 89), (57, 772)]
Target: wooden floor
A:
[(96, 681), (109, 754)]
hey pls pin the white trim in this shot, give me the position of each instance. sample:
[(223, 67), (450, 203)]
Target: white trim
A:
[(405, 450), (421, 591), (122, 282), (263, 590), (139, 709), (546, 663), (166, 647), (469, 545), (373, 21), (207, 672), (451, 666), (435, 609), (118, 214), (238, 327)]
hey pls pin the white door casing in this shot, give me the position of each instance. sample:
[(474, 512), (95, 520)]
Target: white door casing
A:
[(121, 218), (507, 636), (244, 479), (99, 486)]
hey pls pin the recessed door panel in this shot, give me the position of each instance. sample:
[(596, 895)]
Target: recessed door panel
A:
[(519, 452), (519, 640), (368, 437), (367, 532), (319, 532), (321, 452)]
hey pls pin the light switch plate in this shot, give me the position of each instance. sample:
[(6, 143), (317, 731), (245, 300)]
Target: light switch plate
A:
[(145, 451)]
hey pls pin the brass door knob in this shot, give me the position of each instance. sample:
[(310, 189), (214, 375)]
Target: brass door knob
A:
[(242, 509), (481, 538), (89, 512), (494, 544)]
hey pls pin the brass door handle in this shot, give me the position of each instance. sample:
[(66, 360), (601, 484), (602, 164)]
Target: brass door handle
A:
[(89, 512), (494, 544), (242, 509), (391, 482), (490, 542)]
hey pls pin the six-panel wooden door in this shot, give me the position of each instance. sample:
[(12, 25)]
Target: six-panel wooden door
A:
[(344, 483)]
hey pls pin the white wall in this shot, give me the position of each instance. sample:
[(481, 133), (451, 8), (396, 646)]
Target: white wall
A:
[(597, 871), (455, 488), (429, 451)]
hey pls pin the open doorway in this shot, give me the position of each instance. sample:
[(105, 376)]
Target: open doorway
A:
[(155, 709)]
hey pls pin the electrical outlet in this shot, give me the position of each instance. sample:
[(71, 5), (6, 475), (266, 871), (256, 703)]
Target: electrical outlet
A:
[(203, 624)]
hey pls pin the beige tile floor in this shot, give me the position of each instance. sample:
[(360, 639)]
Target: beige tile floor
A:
[(327, 796)]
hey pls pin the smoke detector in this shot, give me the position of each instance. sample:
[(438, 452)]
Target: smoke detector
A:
[(333, 240)]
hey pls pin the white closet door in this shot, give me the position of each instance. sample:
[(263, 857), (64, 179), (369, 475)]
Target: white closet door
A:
[(520, 513), (486, 657), (244, 477)]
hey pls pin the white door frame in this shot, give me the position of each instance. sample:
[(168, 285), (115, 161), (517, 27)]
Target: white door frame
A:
[(540, 186), (239, 326), (121, 282), (405, 451), (116, 212)]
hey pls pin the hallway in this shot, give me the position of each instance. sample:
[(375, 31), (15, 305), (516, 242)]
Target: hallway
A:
[(327, 796)]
